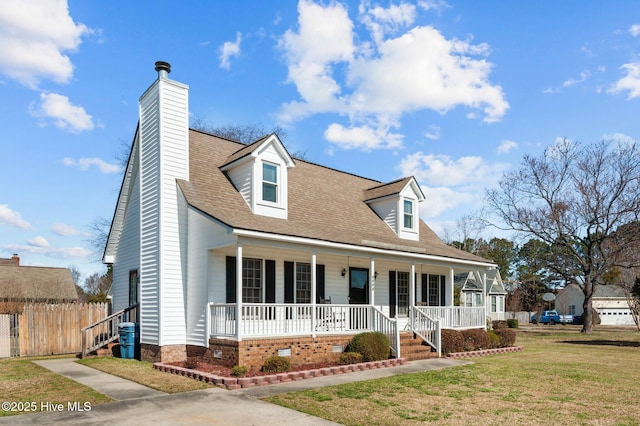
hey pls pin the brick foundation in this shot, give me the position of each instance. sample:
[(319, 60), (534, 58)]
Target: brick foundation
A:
[(169, 353), (251, 353)]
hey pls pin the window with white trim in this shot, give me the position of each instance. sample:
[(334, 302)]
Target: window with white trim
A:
[(433, 292), (408, 214), (251, 280), (402, 291), (303, 283), (270, 182)]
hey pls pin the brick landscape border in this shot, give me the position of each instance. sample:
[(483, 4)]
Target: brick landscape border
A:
[(485, 352), (248, 382)]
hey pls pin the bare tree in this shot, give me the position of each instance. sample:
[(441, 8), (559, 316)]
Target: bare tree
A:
[(573, 198)]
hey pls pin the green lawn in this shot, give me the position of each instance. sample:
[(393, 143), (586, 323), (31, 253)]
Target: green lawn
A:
[(561, 377), (25, 386), (142, 372)]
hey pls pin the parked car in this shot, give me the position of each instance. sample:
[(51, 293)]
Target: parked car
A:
[(551, 317)]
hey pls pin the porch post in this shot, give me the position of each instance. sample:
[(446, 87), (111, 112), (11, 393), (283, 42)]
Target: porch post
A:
[(372, 280), (239, 292), (314, 292), (484, 295), (412, 286), (450, 297)]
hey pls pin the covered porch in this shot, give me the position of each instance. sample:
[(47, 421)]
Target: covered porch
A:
[(289, 290)]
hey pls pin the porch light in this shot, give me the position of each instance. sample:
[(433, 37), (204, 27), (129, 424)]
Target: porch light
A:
[(344, 272), (375, 275)]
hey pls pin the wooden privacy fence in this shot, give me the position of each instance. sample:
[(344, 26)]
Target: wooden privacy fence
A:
[(46, 329)]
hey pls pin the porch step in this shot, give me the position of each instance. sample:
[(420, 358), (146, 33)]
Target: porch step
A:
[(109, 350), (413, 348)]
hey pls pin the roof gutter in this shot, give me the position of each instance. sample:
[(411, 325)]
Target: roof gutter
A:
[(342, 246)]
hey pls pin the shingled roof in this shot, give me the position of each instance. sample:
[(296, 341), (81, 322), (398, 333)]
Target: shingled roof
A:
[(36, 284), (324, 204)]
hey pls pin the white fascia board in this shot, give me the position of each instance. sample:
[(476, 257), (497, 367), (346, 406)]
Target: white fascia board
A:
[(372, 251)]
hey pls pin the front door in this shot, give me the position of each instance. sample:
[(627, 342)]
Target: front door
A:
[(358, 286)]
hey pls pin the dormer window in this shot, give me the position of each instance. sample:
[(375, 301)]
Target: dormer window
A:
[(269, 182), (408, 214), (260, 174)]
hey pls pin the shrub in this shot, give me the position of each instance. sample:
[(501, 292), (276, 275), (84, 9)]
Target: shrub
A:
[(451, 341), (239, 371), (498, 324), (350, 358), (373, 346), (495, 339), (276, 364), (476, 339), (507, 337), (512, 323)]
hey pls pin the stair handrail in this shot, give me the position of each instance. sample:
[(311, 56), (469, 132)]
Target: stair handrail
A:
[(111, 324), (427, 328), (389, 327)]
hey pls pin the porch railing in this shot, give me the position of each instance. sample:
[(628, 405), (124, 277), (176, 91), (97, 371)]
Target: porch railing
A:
[(105, 331), (388, 327), (458, 317), (427, 328), (260, 320)]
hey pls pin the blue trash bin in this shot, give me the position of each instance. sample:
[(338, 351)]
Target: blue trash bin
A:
[(127, 331)]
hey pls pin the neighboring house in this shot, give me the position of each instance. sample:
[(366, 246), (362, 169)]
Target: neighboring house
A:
[(485, 291), (608, 300), (238, 252), (33, 284)]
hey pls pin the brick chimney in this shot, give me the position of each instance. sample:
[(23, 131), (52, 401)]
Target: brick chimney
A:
[(16, 259)]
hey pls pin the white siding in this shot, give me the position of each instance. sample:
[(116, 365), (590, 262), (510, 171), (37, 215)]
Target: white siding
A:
[(149, 217), (242, 178), (387, 210), (164, 158), (202, 234), (127, 257)]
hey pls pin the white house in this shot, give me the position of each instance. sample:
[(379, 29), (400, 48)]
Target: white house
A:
[(609, 302), (482, 290), (237, 252)]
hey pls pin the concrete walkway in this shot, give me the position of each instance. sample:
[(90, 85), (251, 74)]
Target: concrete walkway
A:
[(112, 386), (139, 405)]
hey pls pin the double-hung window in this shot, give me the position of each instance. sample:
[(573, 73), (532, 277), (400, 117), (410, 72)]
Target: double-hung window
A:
[(251, 280), (403, 293), (269, 182), (303, 283), (408, 214)]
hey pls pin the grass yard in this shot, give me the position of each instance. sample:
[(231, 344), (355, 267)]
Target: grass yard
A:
[(26, 382), (142, 372), (561, 377)]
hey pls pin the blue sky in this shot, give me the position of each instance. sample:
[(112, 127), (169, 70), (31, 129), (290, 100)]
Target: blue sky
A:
[(454, 93)]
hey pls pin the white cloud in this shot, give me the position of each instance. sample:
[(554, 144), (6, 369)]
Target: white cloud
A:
[(228, 50), (62, 252), (363, 137), (396, 74), (39, 242), (630, 83), (35, 37), (506, 146), (584, 75), (66, 116), (634, 30), (442, 170), (449, 183), (64, 230), (433, 133), (382, 21), (12, 218), (84, 164), (435, 5)]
